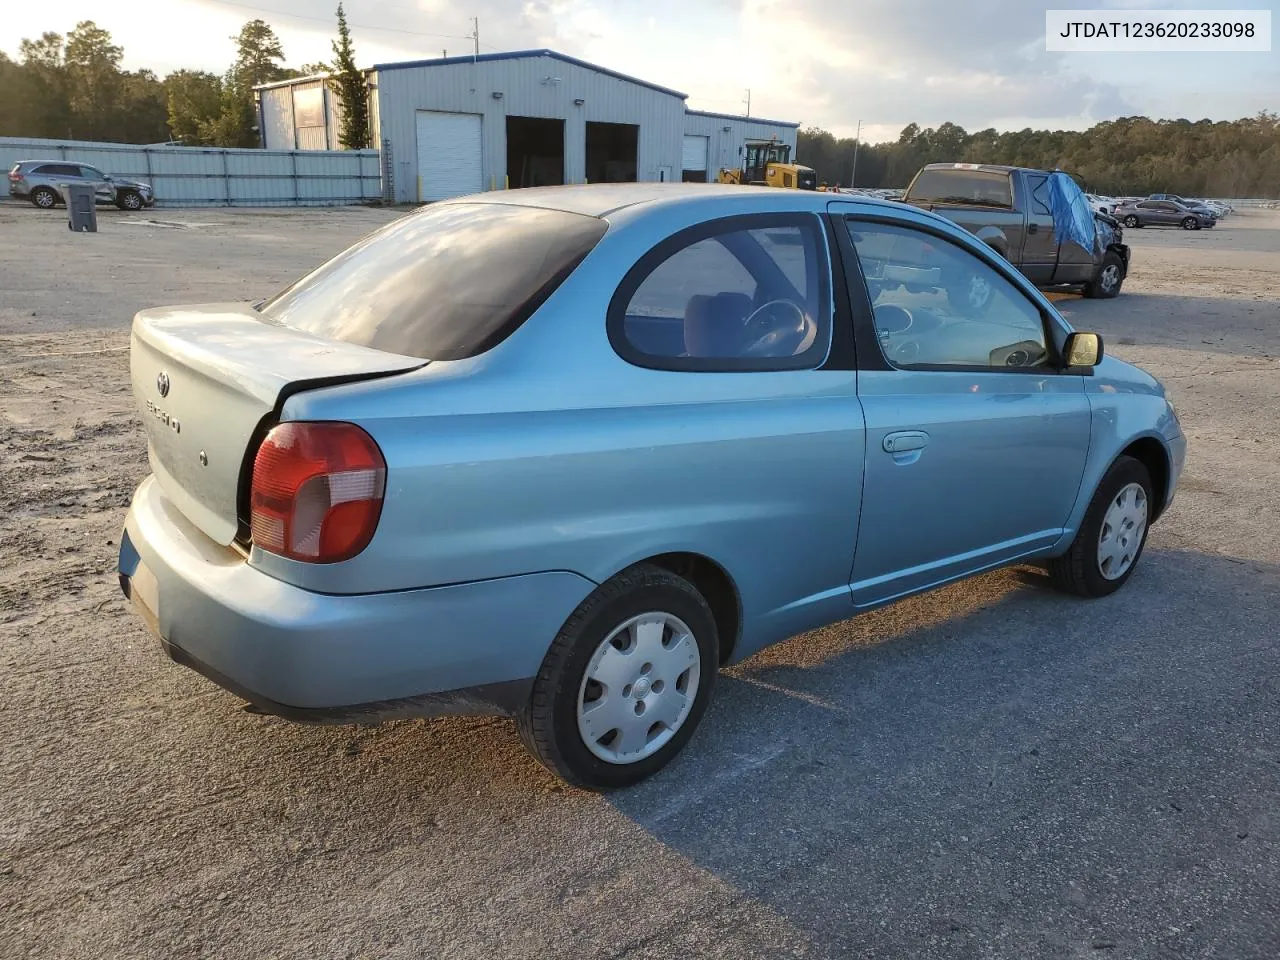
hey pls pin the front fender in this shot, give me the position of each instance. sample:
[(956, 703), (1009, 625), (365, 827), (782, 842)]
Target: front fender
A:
[(1127, 406)]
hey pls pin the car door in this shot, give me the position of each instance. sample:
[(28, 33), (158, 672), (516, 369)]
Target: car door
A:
[(1040, 248), (976, 438), (1167, 212), (749, 358), (103, 188)]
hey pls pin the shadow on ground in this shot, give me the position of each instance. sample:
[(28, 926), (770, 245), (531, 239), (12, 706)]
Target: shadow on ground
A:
[(1041, 777)]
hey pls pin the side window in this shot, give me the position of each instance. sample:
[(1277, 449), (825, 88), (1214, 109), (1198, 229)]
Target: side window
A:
[(936, 305), (89, 173), (747, 293), (1039, 194)]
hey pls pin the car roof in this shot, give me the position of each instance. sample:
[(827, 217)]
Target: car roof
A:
[(981, 167), (602, 199)]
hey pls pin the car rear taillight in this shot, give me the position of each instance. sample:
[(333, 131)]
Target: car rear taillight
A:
[(317, 491), (15, 176)]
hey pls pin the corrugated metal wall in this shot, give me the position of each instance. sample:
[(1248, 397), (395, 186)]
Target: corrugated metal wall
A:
[(277, 118), (293, 118), (201, 177), (725, 146), (531, 87)]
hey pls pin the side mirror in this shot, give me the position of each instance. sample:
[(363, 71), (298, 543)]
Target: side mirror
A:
[(1083, 350)]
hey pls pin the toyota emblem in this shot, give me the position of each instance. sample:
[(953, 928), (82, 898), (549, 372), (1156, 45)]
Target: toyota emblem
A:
[(162, 383)]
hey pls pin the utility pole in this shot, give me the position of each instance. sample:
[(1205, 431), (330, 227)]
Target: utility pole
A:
[(475, 35), (857, 139), (748, 101)]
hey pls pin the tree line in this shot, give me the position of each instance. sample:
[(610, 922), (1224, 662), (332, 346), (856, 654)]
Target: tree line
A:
[(1131, 156), (72, 88)]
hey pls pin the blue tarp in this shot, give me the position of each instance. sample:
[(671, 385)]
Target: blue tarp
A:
[(1073, 218)]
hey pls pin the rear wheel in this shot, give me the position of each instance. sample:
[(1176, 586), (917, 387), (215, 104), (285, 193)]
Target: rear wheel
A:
[(625, 682), (1109, 278), (44, 197), (1132, 222), (1111, 536)]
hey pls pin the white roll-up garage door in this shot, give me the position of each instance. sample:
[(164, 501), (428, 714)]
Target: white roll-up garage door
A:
[(695, 153), (448, 155)]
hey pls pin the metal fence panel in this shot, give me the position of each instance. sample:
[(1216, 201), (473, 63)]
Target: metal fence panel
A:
[(214, 176)]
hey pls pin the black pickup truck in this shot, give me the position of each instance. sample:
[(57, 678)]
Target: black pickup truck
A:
[(1009, 208)]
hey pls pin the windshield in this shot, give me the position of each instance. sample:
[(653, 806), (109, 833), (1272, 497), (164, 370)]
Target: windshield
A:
[(969, 187), (448, 282)]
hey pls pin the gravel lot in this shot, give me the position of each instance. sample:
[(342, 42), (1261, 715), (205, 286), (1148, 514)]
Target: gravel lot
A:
[(990, 770)]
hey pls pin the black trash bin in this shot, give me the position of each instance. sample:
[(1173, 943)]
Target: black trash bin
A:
[(82, 211)]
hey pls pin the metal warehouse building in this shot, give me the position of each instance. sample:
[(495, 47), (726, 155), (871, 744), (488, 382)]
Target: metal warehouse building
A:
[(458, 125)]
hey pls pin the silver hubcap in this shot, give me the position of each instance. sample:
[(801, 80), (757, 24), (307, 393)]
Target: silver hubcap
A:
[(45, 200), (639, 687), (1122, 530), (132, 202), (979, 290), (1110, 275)]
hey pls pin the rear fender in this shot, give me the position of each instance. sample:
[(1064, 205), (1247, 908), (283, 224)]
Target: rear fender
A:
[(995, 238)]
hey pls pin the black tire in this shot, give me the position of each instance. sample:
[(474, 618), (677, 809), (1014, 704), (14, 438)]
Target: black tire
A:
[(548, 724), (1078, 570), (46, 198), (1105, 284), (129, 200), (1190, 223), (1132, 222)]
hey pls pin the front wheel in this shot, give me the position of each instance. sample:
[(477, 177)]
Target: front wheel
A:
[(625, 682), (1111, 536), (1190, 223), (129, 200), (1109, 278), (1132, 222)]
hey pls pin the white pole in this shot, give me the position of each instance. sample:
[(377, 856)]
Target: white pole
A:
[(857, 138)]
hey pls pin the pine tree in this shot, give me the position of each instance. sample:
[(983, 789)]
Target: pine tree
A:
[(349, 86)]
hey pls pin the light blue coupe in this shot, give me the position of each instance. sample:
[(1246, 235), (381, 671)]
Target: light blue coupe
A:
[(561, 453)]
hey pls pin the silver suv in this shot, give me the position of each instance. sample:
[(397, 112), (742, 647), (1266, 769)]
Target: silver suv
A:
[(40, 182)]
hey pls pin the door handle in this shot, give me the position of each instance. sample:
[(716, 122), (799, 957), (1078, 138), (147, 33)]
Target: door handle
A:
[(1033, 228), (905, 440)]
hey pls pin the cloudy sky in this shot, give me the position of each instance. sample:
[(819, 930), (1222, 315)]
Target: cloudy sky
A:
[(831, 63)]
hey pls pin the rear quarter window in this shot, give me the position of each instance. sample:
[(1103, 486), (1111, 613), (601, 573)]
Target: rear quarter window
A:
[(448, 282)]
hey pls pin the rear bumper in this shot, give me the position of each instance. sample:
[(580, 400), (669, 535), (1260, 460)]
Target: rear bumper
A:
[(467, 648)]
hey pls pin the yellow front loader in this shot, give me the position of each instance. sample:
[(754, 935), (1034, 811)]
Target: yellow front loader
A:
[(768, 164)]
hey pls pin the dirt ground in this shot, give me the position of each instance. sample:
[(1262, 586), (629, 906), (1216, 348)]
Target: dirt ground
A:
[(990, 770)]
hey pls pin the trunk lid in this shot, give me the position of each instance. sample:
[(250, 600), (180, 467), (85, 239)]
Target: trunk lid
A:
[(207, 378)]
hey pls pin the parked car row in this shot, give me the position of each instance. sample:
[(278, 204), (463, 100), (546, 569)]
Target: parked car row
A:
[(40, 181), (1169, 209), (1165, 211)]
